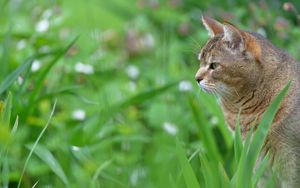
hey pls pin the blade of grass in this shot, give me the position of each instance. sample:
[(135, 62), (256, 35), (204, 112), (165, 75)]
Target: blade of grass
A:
[(235, 180), (238, 144), (246, 172), (110, 110), (262, 166), (45, 155), (204, 131), (9, 80), (208, 172), (15, 126), (34, 185), (138, 99), (100, 169), (6, 113), (35, 144), (188, 173), (141, 97), (5, 171), (225, 183), (41, 77), (68, 91), (26, 79), (212, 107), (5, 121), (6, 45)]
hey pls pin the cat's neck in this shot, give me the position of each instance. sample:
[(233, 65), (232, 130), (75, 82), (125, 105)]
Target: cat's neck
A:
[(252, 104)]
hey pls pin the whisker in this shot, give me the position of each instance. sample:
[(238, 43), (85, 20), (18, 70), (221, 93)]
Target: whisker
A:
[(195, 42), (236, 92)]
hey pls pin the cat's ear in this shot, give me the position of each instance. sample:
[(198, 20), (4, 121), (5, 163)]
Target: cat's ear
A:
[(240, 40), (212, 26), (233, 36)]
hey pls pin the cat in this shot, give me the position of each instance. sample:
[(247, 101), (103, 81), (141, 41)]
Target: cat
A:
[(246, 72)]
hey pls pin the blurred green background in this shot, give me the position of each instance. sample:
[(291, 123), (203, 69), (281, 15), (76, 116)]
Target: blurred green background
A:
[(122, 73)]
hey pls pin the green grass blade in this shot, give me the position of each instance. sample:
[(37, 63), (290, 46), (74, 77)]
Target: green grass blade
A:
[(262, 166), (259, 139), (45, 155), (35, 144), (238, 143), (138, 99), (141, 97), (6, 52), (208, 172), (41, 77), (35, 184), (225, 183), (6, 113), (9, 80), (271, 182), (15, 126), (213, 107), (237, 178), (188, 173), (70, 90), (205, 131), (100, 169), (4, 177)]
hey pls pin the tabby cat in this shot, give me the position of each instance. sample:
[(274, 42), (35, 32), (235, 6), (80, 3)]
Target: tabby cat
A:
[(247, 71)]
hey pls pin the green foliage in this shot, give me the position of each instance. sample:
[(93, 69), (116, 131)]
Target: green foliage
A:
[(215, 175), (98, 93), (187, 171)]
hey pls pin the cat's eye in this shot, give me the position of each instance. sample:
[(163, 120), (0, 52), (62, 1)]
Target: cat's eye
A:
[(213, 66)]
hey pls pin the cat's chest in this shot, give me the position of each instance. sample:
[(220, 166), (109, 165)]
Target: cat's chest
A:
[(246, 120)]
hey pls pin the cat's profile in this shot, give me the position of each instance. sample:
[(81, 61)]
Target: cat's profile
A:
[(247, 71)]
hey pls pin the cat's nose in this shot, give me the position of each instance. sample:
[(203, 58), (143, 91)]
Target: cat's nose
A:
[(198, 79)]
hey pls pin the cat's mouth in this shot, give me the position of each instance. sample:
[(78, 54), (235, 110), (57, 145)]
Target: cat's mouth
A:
[(208, 88)]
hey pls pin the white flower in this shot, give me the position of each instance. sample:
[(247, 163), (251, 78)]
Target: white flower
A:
[(75, 148), (42, 26), (170, 128), (185, 85), (84, 68), (36, 65), (78, 114), (20, 80), (214, 120), (132, 71), (21, 44)]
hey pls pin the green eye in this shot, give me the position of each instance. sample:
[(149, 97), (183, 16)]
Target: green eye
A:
[(213, 66)]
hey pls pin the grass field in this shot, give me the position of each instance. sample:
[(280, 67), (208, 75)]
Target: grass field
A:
[(102, 94)]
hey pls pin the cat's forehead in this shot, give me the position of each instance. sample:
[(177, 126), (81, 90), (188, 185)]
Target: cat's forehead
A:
[(208, 48)]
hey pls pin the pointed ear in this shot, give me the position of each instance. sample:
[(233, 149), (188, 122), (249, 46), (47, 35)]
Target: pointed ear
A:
[(252, 45), (233, 35), (241, 40), (212, 26)]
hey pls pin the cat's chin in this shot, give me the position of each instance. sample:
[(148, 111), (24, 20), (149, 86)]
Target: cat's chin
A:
[(207, 89)]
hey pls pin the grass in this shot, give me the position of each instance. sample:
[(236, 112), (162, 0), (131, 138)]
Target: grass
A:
[(132, 115), (246, 155)]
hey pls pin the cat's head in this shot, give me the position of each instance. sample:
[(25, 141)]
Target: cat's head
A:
[(229, 61)]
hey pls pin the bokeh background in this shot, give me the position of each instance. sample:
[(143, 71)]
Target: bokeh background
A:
[(121, 73)]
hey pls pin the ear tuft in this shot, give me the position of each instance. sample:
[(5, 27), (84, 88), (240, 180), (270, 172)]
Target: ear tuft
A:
[(233, 35), (212, 26), (237, 38)]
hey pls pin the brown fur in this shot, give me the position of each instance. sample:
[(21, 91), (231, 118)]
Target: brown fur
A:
[(250, 72)]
